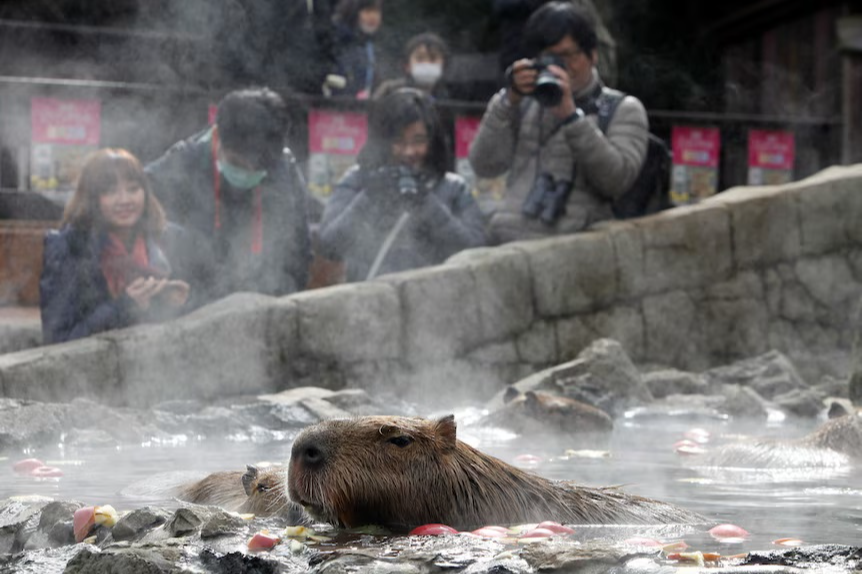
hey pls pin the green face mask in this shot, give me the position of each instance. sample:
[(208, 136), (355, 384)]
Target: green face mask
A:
[(240, 178)]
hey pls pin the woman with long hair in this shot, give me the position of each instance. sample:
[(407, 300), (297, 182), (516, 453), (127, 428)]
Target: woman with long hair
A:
[(115, 261), (400, 208)]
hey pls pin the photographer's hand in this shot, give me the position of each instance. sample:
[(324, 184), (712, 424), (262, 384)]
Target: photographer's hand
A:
[(522, 80), (567, 106)]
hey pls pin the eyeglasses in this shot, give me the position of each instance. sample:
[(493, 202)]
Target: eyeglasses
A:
[(567, 55)]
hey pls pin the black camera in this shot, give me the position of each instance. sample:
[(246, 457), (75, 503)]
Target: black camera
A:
[(547, 199), (390, 178), (548, 90)]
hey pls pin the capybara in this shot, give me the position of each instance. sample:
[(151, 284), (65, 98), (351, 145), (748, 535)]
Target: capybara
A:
[(836, 443), (400, 472), (252, 491)]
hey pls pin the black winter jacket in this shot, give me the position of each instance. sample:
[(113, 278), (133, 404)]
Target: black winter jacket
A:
[(73, 293)]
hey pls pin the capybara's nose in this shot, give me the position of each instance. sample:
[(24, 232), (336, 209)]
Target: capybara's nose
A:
[(308, 453)]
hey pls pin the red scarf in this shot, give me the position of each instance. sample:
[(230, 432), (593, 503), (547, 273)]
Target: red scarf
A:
[(121, 267)]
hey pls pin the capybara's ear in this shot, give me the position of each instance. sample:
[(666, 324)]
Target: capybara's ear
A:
[(249, 478), (445, 431)]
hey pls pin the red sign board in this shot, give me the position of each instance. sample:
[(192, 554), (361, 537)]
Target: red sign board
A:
[(771, 149), (75, 122), (696, 146), (465, 132), (338, 133)]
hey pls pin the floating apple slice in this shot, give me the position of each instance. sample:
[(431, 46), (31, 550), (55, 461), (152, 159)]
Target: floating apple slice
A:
[(491, 532), (788, 542), (263, 540), (432, 530), (538, 533), (105, 515), (555, 527), (46, 472), (724, 532), (83, 521), (27, 465)]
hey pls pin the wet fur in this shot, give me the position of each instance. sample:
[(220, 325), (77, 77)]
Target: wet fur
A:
[(837, 443), (401, 472), (252, 492)]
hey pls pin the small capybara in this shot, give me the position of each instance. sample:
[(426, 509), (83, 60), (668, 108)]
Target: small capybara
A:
[(400, 472), (252, 491), (836, 443)]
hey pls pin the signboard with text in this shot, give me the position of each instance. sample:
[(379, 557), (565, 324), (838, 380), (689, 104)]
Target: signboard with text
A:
[(696, 153), (771, 155), (62, 133), (486, 190), (334, 141)]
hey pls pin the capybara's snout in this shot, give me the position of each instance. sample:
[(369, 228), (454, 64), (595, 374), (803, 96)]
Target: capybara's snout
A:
[(309, 452)]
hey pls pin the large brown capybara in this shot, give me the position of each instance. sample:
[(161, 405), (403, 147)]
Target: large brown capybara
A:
[(836, 443), (252, 492), (400, 472)]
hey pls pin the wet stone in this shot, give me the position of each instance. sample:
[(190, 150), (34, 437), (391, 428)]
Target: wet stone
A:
[(138, 522), (743, 402), (222, 523), (123, 559), (186, 521), (238, 563), (672, 382), (801, 402)]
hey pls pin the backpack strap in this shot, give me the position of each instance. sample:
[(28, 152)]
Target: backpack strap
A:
[(606, 106)]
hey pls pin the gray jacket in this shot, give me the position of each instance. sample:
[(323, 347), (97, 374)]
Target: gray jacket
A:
[(604, 165), (355, 224)]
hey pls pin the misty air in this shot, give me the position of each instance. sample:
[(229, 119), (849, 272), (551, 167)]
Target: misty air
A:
[(480, 286)]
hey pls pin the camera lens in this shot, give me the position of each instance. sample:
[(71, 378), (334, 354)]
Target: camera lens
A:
[(548, 91)]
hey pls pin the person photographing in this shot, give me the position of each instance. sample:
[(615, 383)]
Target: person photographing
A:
[(564, 169), (399, 208)]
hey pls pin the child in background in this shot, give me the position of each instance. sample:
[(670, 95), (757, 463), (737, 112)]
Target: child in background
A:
[(425, 59), (115, 261)]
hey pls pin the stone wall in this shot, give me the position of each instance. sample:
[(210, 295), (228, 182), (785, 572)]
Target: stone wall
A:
[(749, 270)]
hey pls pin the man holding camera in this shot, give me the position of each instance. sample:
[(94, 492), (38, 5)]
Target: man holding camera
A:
[(564, 172)]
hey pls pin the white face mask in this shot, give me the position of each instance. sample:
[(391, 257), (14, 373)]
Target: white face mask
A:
[(426, 73)]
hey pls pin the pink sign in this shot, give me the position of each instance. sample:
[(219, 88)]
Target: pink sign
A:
[(696, 146), (339, 133), (75, 122), (465, 132), (771, 150)]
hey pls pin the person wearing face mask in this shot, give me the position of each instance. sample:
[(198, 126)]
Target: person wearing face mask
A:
[(399, 208), (566, 169), (425, 59), (357, 24), (238, 185)]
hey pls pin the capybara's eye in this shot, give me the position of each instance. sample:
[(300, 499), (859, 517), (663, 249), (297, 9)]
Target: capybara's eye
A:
[(401, 441), (261, 487)]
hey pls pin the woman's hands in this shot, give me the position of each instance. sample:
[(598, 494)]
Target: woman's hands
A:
[(142, 291)]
